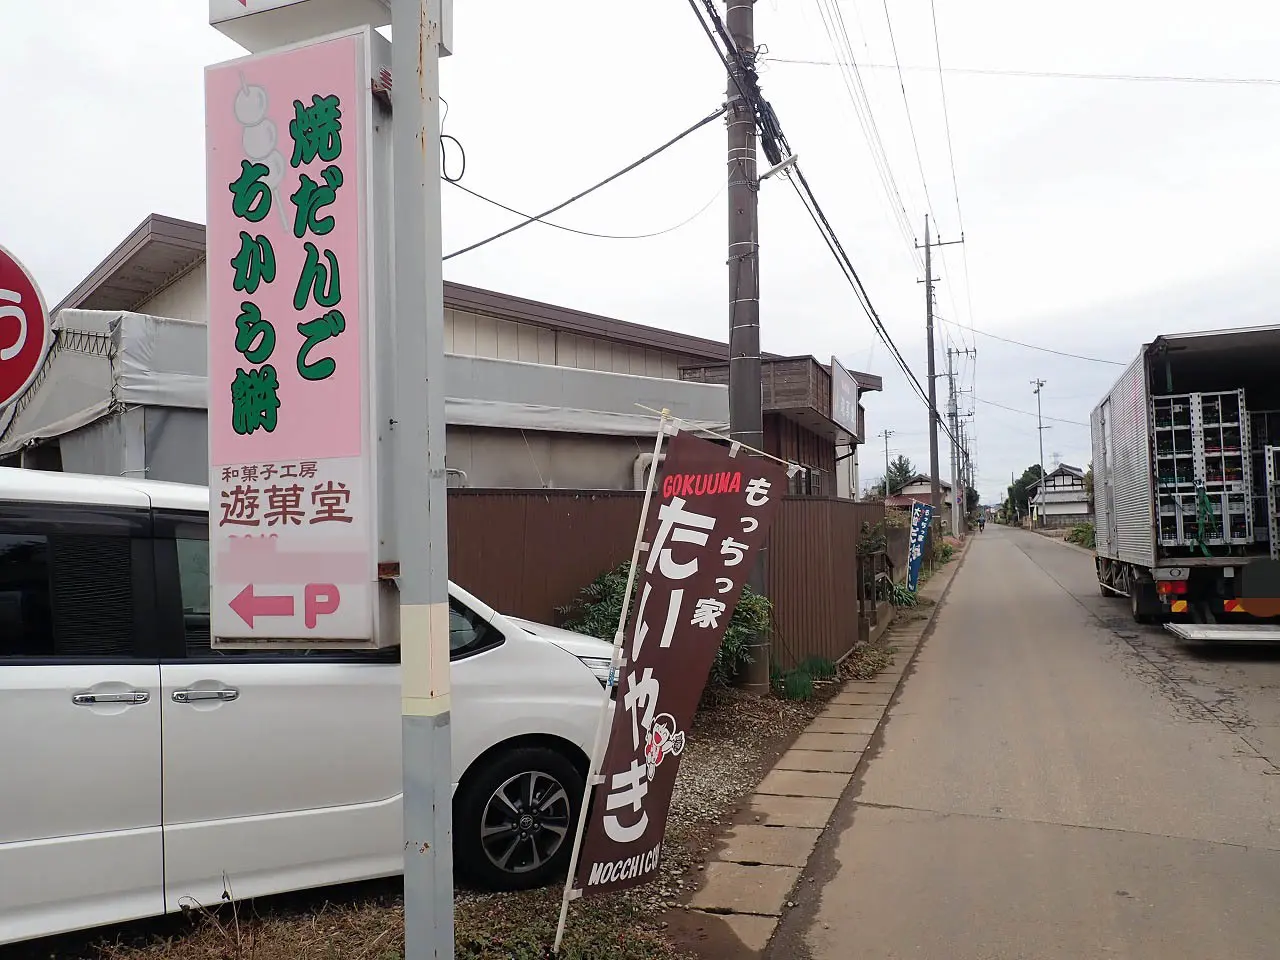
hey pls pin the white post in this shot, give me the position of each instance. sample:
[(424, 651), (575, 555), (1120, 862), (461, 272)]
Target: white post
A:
[(418, 478)]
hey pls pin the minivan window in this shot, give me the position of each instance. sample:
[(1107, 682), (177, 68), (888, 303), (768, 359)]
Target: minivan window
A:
[(468, 632), (64, 595)]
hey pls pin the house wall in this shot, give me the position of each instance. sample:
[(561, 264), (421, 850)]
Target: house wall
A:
[(786, 439), (536, 460), (923, 491), (187, 298), (467, 334)]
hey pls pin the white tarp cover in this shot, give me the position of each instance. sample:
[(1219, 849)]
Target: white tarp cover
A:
[(127, 392), (103, 362)]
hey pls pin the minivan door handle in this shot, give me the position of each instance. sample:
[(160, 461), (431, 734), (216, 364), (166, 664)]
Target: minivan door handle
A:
[(192, 695), (129, 696)]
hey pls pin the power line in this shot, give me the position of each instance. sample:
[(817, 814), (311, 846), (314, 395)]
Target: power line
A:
[(1055, 75), (833, 23), (1031, 346), (587, 233), (774, 143), (924, 182), (609, 179), (805, 192), (1030, 413), (951, 156)]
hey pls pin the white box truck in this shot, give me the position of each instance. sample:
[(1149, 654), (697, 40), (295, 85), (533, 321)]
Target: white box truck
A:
[(1186, 465)]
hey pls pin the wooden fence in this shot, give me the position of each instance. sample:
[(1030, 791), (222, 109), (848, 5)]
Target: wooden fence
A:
[(529, 552)]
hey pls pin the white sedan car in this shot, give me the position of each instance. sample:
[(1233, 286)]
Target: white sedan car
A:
[(144, 771)]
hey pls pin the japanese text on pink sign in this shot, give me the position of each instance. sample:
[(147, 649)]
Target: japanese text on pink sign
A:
[(289, 342)]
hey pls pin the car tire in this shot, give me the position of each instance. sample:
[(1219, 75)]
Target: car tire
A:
[(504, 842)]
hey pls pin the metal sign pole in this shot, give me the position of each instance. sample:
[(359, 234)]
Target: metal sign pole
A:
[(602, 727), (418, 481)]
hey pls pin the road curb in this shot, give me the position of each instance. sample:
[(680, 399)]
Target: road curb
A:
[(732, 894), (1073, 546)]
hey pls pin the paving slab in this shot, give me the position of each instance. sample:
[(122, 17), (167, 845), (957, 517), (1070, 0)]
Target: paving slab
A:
[(865, 726), (819, 761), (736, 888), (845, 742), (753, 931), (850, 696), (797, 783), (788, 811), (753, 843), (870, 686), (852, 711)]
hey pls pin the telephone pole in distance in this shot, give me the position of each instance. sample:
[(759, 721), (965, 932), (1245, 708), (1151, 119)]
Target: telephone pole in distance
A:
[(1039, 385), (886, 433), (935, 489)]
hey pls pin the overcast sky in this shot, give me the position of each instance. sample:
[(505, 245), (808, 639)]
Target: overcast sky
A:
[(1097, 214)]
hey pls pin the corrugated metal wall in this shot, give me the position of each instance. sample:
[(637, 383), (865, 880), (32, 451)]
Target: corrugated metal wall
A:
[(1098, 428), (1131, 483), (527, 552), (813, 576)]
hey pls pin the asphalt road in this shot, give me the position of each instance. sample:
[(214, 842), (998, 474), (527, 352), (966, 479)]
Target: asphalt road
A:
[(1054, 781)]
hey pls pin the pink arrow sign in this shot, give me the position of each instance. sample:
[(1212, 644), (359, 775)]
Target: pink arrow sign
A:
[(249, 605)]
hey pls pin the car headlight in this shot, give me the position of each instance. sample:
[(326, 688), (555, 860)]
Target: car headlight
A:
[(602, 669)]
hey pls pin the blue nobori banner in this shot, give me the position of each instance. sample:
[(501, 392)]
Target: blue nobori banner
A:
[(921, 515)]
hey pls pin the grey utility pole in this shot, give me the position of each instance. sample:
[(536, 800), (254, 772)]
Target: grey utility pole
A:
[(935, 488), (959, 500), (418, 479), (1039, 385), (886, 433), (746, 418), (953, 421)]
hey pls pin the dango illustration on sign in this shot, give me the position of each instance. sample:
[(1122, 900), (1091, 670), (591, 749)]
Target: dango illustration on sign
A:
[(293, 515)]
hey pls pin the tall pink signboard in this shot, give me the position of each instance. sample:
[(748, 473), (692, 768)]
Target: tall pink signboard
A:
[(293, 532)]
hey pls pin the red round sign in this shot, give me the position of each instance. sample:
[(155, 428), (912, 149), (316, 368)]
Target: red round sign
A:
[(24, 329)]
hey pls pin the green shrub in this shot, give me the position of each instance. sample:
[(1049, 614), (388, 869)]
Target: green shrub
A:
[(795, 685), (901, 596), (598, 606), (820, 668), (1083, 534)]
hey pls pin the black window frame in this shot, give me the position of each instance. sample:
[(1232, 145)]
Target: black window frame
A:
[(48, 518)]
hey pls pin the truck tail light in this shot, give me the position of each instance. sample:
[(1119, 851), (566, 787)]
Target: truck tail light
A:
[(1171, 587)]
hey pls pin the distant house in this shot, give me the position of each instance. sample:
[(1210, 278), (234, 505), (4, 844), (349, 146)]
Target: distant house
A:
[(917, 490), (1065, 501)]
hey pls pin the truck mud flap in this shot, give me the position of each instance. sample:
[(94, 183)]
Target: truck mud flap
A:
[(1226, 632)]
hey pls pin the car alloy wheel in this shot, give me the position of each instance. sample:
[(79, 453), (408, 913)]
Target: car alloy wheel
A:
[(525, 822)]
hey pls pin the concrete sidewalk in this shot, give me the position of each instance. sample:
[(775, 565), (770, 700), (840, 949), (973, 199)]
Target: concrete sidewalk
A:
[(753, 877)]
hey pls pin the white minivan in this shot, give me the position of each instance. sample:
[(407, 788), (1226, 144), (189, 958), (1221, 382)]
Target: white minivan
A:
[(141, 771)]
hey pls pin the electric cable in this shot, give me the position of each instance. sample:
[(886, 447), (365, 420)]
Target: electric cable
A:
[(578, 196), (588, 233), (1031, 346)]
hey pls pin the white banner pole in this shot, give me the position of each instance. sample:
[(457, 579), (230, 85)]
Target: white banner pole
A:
[(615, 675)]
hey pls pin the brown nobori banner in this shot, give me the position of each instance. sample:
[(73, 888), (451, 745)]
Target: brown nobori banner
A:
[(713, 510)]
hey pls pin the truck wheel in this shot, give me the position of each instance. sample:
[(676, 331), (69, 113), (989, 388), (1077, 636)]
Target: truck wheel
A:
[(1135, 602)]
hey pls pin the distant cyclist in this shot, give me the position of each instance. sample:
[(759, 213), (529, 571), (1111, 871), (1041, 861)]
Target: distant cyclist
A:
[(982, 523)]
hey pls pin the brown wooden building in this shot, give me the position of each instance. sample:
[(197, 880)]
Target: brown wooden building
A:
[(799, 425)]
